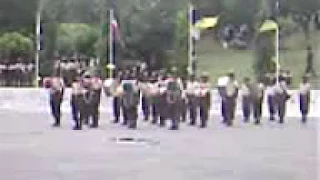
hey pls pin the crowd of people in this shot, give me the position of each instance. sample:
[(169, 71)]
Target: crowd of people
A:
[(17, 73), (167, 97)]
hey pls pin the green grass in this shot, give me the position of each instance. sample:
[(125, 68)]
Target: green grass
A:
[(217, 61)]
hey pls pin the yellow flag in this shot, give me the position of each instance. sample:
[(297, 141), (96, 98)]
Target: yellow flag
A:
[(268, 25), (110, 66), (207, 22)]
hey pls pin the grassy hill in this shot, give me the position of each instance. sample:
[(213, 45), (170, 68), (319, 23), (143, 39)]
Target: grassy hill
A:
[(217, 61)]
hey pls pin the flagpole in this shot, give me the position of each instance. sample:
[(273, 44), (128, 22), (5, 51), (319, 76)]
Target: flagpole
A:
[(190, 49), (38, 42), (111, 47), (277, 48)]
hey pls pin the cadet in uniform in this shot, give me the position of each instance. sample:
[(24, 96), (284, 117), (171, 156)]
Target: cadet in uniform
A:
[(173, 98), (76, 103), (154, 97), (246, 99), (162, 82), (56, 89), (270, 93), (184, 101), (192, 87), (130, 102), (88, 100), (222, 83), (145, 99), (114, 89), (231, 98), (281, 98), (204, 99), (96, 85), (257, 96), (304, 96)]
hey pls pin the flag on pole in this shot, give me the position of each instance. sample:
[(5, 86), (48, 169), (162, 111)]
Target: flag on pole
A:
[(207, 22), (268, 25)]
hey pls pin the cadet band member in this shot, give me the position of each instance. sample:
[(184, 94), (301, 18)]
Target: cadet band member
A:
[(252, 98), (246, 99), (173, 99), (76, 103), (231, 98), (204, 100), (56, 90), (114, 89), (130, 102), (154, 97), (162, 83), (281, 98), (257, 96), (96, 85), (304, 96), (222, 83), (184, 101), (145, 99), (270, 93), (91, 100), (192, 86)]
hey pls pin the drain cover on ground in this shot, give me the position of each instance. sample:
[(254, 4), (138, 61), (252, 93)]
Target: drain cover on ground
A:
[(132, 140)]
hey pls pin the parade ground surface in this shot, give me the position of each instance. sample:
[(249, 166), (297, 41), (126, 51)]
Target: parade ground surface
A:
[(31, 150)]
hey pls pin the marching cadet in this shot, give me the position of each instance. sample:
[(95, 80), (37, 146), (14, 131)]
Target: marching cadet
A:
[(162, 84), (222, 83), (130, 102), (270, 93), (145, 99), (184, 101), (154, 97), (91, 100), (96, 84), (304, 96), (192, 86), (257, 96), (173, 98), (76, 103), (204, 99), (231, 98), (116, 91), (246, 99), (56, 90), (281, 98)]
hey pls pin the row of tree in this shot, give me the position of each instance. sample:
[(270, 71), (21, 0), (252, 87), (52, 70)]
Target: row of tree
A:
[(151, 29)]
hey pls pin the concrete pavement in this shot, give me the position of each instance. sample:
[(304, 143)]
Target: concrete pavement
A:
[(31, 150)]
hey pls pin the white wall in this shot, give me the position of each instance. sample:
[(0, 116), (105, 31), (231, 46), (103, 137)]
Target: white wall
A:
[(36, 100)]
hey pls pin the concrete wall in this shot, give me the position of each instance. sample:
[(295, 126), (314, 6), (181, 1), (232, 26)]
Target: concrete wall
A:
[(36, 100)]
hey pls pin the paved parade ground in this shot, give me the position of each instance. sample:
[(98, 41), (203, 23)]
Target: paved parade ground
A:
[(31, 150)]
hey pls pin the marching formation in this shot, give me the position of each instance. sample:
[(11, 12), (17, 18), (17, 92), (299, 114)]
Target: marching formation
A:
[(168, 100)]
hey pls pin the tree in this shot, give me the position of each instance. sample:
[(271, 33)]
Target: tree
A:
[(14, 44)]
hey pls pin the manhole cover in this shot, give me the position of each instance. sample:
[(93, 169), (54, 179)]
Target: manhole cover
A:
[(133, 140)]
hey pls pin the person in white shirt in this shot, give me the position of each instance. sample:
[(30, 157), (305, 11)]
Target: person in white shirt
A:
[(304, 96), (270, 94), (222, 83), (56, 90), (281, 98), (231, 95), (193, 104)]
